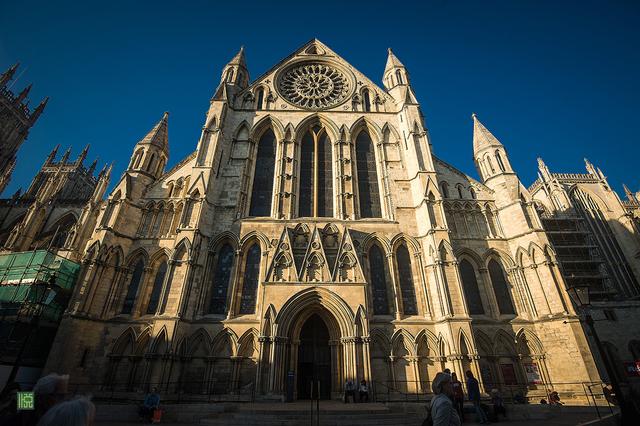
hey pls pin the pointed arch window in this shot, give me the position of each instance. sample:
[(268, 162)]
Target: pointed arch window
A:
[(378, 274), (260, 99), (499, 160), (459, 188), (366, 100), (471, 289), (368, 189), (405, 276), (158, 282), (221, 279), (132, 290), (250, 281), (399, 77), (501, 288), (262, 188), (444, 186), (316, 175)]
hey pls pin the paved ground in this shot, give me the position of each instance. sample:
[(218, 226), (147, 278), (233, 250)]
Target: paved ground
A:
[(331, 407)]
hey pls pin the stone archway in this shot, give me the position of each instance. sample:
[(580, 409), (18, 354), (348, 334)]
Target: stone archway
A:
[(314, 360), (345, 339)]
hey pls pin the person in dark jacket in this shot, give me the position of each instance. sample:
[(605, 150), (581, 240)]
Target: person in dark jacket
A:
[(473, 388), (458, 395)]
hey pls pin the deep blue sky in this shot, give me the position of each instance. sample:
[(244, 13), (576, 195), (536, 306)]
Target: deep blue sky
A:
[(556, 79)]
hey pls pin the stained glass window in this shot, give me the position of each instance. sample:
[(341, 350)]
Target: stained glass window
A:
[(378, 281), (500, 288), (157, 288), (262, 189), (369, 194), (405, 274), (132, 290), (471, 290), (221, 278), (250, 284)]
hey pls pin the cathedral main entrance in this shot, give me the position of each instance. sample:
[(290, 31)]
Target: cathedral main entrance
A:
[(314, 359)]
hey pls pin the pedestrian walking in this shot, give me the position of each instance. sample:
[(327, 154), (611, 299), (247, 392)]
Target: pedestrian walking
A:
[(441, 411), (458, 395), (473, 388)]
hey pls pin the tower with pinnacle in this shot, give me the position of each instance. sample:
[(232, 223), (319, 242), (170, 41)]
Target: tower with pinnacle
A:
[(16, 119)]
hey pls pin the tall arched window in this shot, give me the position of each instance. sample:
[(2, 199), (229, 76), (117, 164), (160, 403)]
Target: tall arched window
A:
[(399, 77), (316, 175), (151, 161), (250, 281), (230, 75), (262, 189), (419, 155), (405, 275), (366, 100), (132, 290), (471, 290), (154, 299), (260, 99), (369, 194), (221, 278), (378, 281), (444, 187), (459, 188), (501, 288), (499, 160)]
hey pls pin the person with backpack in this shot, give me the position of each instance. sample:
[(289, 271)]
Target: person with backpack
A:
[(473, 388), (441, 412)]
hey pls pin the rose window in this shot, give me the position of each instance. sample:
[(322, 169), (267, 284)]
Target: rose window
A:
[(314, 86)]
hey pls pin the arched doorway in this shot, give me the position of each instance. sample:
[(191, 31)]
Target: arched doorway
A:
[(314, 359)]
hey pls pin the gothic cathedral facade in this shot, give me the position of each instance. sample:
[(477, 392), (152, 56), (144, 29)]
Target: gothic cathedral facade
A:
[(314, 234)]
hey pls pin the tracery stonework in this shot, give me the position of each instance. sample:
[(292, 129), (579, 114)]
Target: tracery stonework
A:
[(314, 85)]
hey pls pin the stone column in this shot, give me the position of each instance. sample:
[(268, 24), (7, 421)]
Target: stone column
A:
[(493, 303), (278, 364), (366, 358), (85, 287), (348, 344), (336, 367), (236, 365)]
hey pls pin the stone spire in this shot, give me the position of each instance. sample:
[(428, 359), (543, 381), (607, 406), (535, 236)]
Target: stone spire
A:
[(159, 134), (8, 74), (235, 73), (21, 97), (482, 137), (395, 73)]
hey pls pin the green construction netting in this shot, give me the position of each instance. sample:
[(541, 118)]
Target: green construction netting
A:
[(19, 271)]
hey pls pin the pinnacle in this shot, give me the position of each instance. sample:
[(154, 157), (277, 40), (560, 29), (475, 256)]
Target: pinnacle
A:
[(392, 61), (482, 137), (239, 58), (159, 134)]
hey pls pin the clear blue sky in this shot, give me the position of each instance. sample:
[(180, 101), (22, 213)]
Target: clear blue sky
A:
[(557, 79)]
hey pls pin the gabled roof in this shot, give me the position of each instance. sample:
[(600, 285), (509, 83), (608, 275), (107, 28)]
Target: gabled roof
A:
[(392, 61), (315, 48)]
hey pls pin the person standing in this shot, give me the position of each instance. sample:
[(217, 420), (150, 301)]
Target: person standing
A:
[(458, 395), (349, 391), (473, 388), (442, 412), (363, 391)]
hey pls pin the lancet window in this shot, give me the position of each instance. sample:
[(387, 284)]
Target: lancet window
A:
[(368, 189), (250, 281), (262, 189), (316, 175)]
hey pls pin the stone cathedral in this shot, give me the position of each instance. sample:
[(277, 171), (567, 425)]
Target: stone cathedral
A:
[(314, 237)]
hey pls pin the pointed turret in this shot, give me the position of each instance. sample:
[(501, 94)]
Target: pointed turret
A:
[(543, 170), (8, 74), (36, 113), (92, 167), (395, 73), (235, 72), (83, 155), (66, 155), (151, 153), (21, 97), (488, 152), (52, 155), (630, 195)]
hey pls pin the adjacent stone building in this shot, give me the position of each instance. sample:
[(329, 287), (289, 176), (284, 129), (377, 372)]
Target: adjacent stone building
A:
[(314, 233)]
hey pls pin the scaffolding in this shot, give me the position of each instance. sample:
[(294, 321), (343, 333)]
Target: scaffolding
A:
[(578, 254), (35, 288)]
